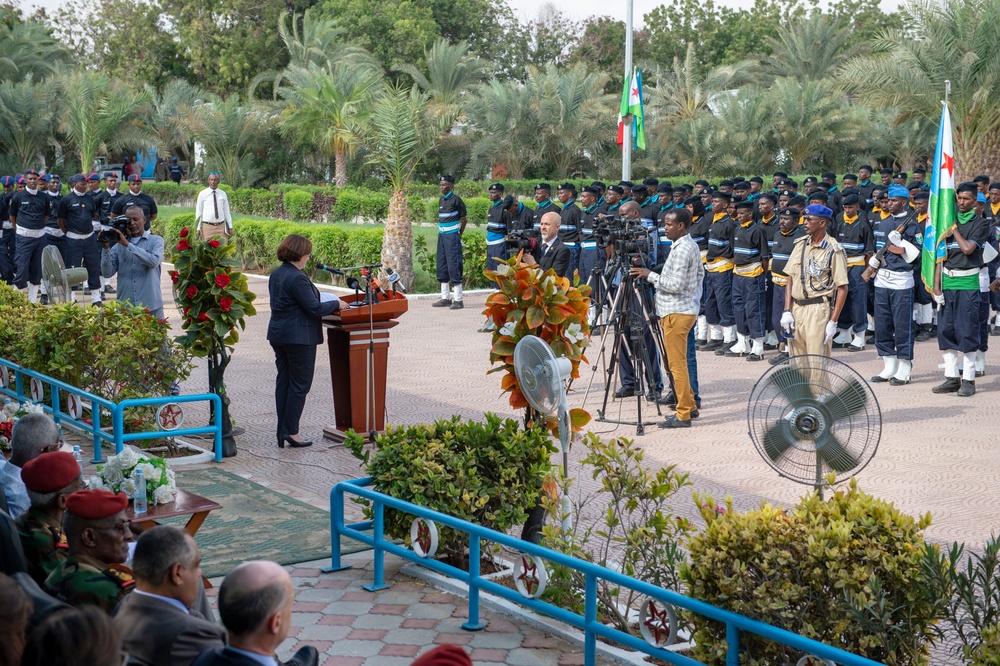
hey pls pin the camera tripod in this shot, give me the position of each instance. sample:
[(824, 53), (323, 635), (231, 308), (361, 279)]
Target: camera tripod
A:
[(631, 323)]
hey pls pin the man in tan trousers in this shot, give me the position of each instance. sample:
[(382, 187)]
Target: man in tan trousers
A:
[(817, 286)]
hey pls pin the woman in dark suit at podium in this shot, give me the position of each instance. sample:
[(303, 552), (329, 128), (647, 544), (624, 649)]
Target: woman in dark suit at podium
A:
[(294, 331)]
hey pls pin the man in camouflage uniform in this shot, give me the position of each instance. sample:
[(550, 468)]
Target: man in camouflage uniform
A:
[(98, 534), (50, 479)]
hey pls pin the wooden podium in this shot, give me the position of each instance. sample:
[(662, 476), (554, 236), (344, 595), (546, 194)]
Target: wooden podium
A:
[(359, 402)]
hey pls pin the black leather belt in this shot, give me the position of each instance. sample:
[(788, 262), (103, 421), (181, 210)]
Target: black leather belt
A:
[(812, 301)]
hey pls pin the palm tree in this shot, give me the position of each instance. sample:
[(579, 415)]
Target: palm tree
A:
[(450, 73), (404, 128), (506, 131), (27, 119), (699, 146), (747, 122), (101, 114), (809, 49), (231, 131), (812, 121), (681, 93), (327, 105), (954, 40), (166, 117), (27, 49)]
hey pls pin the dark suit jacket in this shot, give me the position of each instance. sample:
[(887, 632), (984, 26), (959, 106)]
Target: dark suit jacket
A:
[(158, 634), (219, 657), (296, 311), (556, 258)]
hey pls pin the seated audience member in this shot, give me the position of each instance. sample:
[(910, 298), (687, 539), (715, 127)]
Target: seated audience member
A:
[(255, 604), (32, 436), (13, 620), (75, 637), (50, 479), (156, 620), (444, 655), (98, 534)]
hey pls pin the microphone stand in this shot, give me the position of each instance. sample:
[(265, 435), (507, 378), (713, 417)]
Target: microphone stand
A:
[(370, 366)]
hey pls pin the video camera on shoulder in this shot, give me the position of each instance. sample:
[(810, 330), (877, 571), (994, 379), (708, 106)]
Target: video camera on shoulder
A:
[(119, 222), (522, 239)]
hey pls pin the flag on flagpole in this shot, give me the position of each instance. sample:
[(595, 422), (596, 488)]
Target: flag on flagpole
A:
[(632, 105), (942, 213)]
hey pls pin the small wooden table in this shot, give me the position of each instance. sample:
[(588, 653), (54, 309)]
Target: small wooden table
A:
[(184, 504)]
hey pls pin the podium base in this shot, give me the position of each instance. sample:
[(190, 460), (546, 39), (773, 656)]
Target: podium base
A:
[(338, 436)]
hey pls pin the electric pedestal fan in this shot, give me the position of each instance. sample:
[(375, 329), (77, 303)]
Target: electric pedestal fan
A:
[(811, 416), (540, 375), (58, 279)]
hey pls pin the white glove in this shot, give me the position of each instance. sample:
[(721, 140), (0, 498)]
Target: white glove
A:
[(895, 237), (787, 322), (939, 299), (831, 330), (874, 262)]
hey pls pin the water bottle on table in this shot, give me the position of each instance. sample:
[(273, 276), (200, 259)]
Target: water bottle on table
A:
[(78, 456), (139, 503)]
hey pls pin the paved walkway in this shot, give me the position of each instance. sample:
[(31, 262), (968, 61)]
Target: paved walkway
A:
[(937, 453)]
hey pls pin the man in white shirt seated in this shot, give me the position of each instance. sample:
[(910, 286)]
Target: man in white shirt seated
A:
[(212, 215)]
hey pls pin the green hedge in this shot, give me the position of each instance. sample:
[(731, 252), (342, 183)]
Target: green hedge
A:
[(169, 193), (298, 205), (257, 241)]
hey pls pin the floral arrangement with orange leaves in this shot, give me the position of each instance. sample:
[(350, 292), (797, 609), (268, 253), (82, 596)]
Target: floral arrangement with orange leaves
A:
[(551, 307)]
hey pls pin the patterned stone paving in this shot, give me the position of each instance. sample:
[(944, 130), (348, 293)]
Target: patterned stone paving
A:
[(937, 453)]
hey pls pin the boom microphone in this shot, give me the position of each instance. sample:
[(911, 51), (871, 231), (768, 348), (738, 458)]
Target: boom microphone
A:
[(329, 269)]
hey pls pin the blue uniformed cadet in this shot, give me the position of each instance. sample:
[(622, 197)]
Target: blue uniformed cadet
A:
[(601, 189), (520, 215), (570, 218), (719, 277), (543, 199), (53, 234), (6, 232), (789, 230), (920, 175), (865, 186), (680, 194), (698, 231), (76, 215), (451, 226), (741, 191), (765, 205), (612, 202), (993, 217), (497, 226), (956, 289), (591, 256), (28, 213), (750, 262), (176, 172), (664, 204), (650, 201), (756, 185), (856, 235), (626, 186), (923, 308), (894, 327), (982, 183)]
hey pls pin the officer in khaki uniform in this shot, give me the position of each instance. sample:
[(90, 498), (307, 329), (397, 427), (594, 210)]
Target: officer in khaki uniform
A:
[(98, 534), (817, 286), (50, 479)]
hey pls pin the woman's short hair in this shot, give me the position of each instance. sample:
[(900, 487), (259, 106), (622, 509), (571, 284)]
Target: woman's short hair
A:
[(75, 637), (294, 247)]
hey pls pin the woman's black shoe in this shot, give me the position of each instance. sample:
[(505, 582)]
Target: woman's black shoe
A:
[(296, 445)]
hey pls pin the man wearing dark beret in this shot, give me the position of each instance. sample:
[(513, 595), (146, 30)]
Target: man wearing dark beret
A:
[(751, 255), (591, 256), (570, 219), (612, 202), (497, 226), (136, 197), (6, 232), (544, 204), (789, 230), (993, 217), (856, 235), (764, 210), (626, 186), (451, 225), (719, 277), (98, 534), (50, 479), (956, 288)]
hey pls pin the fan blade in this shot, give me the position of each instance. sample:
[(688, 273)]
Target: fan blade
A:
[(791, 383), (777, 440), (847, 401), (836, 456)]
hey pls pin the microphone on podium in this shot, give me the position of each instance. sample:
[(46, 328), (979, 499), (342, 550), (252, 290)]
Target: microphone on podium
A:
[(394, 280), (330, 269)]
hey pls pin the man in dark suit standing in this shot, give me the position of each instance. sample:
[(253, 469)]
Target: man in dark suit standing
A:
[(552, 252), (156, 619), (255, 602)]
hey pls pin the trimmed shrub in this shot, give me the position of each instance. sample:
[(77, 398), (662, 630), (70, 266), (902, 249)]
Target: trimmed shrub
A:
[(477, 209), (487, 473), (169, 193), (16, 311), (987, 653), (298, 205), (351, 203), (254, 201), (850, 571)]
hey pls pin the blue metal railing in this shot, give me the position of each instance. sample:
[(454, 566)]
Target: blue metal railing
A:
[(588, 622), (117, 435)]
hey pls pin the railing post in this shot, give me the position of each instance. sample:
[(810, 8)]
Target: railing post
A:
[(589, 619), (118, 427), (473, 623), (377, 534), (217, 401), (336, 521), (55, 403), (19, 384), (732, 644)]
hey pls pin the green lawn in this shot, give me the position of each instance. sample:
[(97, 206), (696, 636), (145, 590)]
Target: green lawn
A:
[(429, 233)]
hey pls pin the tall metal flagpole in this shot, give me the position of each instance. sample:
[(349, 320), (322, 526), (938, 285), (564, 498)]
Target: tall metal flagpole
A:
[(627, 121)]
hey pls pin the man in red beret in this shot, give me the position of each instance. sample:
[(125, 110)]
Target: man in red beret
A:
[(98, 535), (50, 479)]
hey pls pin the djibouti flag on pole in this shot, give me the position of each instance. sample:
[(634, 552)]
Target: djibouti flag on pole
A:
[(942, 213), (632, 105)]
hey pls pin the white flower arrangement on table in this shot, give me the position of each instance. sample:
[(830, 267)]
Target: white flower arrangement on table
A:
[(9, 414), (118, 474)]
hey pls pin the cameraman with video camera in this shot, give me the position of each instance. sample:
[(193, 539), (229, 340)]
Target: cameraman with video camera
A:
[(136, 259)]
